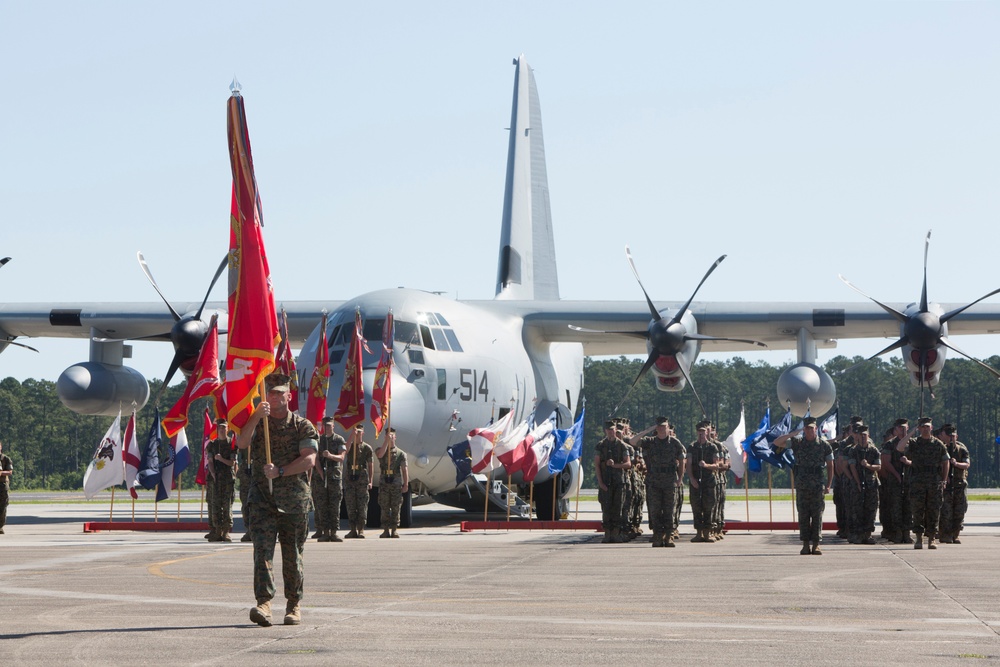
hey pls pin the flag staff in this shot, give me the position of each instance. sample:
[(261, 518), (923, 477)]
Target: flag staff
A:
[(267, 438), (111, 513), (179, 496), (489, 481)]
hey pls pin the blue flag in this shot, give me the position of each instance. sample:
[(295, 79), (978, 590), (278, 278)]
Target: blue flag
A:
[(149, 465), (461, 456), (175, 459), (763, 448), (568, 447), (753, 463)]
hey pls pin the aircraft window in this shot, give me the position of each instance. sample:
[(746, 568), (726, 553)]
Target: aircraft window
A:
[(439, 340), (453, 340), (336, 356), (442, 384), (345, 332), (441, 320), (425, 335), (333, 335), (416, 356), (405, 332), (429, 318), (373, 330)]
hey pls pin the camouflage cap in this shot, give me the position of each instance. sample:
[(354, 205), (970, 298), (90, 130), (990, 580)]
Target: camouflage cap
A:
[(925, 421), (662, 421), (949, 429), (221, 421), (277, 382), (809, 421), (327, 420)]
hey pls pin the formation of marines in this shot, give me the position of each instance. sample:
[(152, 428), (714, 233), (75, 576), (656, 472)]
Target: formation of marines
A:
[(914, 482)]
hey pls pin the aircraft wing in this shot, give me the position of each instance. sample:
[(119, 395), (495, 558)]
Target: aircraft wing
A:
[(132, 320), (775, 324)]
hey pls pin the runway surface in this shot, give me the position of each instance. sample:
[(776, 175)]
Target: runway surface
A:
[(441, 597)]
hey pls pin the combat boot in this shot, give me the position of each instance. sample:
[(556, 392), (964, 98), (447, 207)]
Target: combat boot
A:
[(318, 534), (867, 539), (334, 537), (947, 539), (216, 536), (930, 541), (668, 541), (394, 534), (906, 539), (324, 536), (954, 539), (805, 548), (657, 540), (708, 536), (353, 534), (292, 614), (385, 532), (816, 551), (918, 540), (210, 534), (607, 537), (261, 614), (225, 537), (699, 536), (616, 537), (246, 538), (361, 531)]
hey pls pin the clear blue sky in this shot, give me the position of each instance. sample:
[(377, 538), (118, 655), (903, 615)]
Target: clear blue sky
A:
[(803, 139)]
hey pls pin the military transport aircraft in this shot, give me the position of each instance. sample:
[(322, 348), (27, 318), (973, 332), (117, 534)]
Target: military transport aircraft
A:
[(459, 364)]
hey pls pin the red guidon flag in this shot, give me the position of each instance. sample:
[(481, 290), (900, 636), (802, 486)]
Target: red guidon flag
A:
[(202, 381), (253, 321), (204, 467), (382, 386), (286, 362), (351, 407), (319, 383)]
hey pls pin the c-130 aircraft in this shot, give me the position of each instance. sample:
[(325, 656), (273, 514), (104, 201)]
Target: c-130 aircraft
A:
[(522, 351)]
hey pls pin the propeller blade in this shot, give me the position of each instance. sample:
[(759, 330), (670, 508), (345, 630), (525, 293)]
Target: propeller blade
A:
[(923, 291), (653, 356), (900, 317), (895, 346), (639, 334), (4, 261), (175, 363), (215, 279), (163, 336), (652, 309), (734, 340), (686, 372), (10, 342), (944, 341), (149, 276), (952, 313), (680, 313)]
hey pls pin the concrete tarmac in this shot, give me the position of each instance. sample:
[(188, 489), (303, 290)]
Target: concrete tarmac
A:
[(440, 597)]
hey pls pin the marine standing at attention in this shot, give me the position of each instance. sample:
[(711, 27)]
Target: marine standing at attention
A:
[(813, 472), (611, 460), (223, 461), (702, 466), (6, 471), (394, 480), (327, 483), (928, 461), (280, 514), (956, 503), (358, 481)]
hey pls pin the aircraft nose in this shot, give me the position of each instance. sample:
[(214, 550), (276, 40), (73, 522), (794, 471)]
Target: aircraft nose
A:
[(406, 409)]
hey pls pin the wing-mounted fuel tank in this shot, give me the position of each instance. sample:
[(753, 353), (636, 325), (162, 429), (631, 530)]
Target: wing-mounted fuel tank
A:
[(103, 386)]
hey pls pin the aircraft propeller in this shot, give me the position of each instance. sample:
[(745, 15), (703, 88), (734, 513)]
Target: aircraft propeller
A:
[(187, 334), (924, 330), (668, 337)]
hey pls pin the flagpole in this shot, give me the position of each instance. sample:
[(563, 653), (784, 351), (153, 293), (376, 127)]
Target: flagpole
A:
[(553, 517), (531, 498), (111, 513), (770, 501), (791, 475), (576, 514), (201, 505), (267, 439), (156, 505), (746, 490), (508, 499), (133, 510), (179, 496), (487, 485)]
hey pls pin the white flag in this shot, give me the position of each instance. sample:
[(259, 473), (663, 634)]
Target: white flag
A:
[(734, 443), (107, 467)]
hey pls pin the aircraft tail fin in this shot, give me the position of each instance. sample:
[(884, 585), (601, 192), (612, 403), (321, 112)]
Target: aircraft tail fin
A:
[(527, 264)]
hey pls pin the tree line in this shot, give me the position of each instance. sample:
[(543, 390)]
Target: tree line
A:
[(50, 446)]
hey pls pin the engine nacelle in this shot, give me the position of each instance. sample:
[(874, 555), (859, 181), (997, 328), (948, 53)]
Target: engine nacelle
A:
[(668, 374), (807, 387), (934, 360), (93, 388)]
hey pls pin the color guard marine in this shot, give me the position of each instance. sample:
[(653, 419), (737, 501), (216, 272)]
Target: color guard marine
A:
[(956, 502)]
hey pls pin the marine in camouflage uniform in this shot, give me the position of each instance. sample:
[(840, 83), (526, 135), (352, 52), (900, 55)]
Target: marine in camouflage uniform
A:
[(813, 470), (280, 514), (6, 471), (702, 466), (628, 501), (327, 483), (841, 478), (393, 482), (243, 476), (359, 470), (955, 503), (896, 513), (864, 462), (664, 457), (719, 519), (928, 460), (611, 460), (679, 501), (220, 505)]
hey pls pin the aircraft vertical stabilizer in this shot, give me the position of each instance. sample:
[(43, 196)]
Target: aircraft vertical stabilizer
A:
[(527, 264)]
